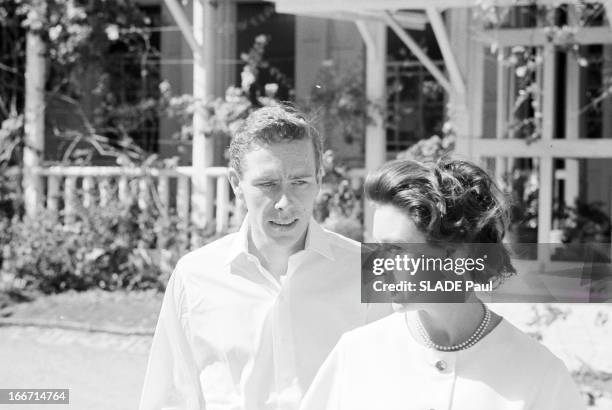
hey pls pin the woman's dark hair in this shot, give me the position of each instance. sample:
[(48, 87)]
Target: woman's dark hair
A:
[(450, 201)]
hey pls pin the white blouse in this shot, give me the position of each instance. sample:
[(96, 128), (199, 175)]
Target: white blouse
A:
[(381, 366)]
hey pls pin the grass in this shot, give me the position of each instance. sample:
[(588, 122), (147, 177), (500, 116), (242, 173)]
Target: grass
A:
[(94, 308)]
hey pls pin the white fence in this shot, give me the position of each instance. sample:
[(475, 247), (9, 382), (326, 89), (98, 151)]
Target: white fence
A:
[(64, 187)]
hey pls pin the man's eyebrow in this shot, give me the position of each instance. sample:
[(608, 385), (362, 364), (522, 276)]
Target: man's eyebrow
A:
[(301, 176), (265, 177)]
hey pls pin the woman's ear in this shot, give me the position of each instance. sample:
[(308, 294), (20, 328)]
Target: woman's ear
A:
[(456, 250), (234, 180), (450, 251)]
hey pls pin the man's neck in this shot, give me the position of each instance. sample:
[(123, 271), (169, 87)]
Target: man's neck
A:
[(273, 257)]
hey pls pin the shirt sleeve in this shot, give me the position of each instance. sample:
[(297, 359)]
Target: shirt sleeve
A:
[(172, 377), (325, 392), (557, 390)]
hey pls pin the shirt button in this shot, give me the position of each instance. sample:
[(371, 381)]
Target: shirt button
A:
[(441, 365)]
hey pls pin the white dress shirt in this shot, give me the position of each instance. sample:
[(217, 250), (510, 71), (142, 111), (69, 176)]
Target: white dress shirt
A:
[(231, 336), (381, 366)]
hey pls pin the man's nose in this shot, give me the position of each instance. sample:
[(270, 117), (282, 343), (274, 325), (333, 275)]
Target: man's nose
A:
[(283, 202)]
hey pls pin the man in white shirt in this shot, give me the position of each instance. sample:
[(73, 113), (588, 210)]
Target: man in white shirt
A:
[(247, 320)]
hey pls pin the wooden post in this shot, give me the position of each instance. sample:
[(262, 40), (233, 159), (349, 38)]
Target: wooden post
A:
[(456, 44), (182, 198), (104, 187), (573, 121), (143, 193), (124, 189), (475, 84), (182, 209), (375, 39), (504, 92), (545, 194), (69, 198), (202, 155), (163, 190), (34, 126), (572, 128), (222, 215), (88, 185), (53, 192)]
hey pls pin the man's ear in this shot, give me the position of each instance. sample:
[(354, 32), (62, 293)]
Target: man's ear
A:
[(234, 180)]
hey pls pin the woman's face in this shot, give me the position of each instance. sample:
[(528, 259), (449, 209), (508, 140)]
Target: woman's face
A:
[(392, 225)]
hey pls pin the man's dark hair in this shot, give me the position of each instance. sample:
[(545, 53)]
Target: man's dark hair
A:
[(269, 125)]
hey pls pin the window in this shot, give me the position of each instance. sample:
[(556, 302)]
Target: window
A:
[(254, 19), (415, 101), (134, 77)]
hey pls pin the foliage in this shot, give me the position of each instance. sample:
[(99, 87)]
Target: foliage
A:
[(78, 32), (11, 137), (341, 97), (344, 225), (338, 205), (432, 148), (115, 246), (586, 222), (83, 38), (224, 115), (559, 23), (524, 188)]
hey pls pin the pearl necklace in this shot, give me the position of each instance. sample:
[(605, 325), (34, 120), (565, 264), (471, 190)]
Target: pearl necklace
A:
[(476, 336)]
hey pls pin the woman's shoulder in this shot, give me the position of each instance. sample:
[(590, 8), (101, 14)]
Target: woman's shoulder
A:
[(508, 341), (551, 384), (377, 333)]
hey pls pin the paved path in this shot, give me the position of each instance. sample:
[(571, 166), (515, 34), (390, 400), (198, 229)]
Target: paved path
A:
[(105, 371), (102, 371)]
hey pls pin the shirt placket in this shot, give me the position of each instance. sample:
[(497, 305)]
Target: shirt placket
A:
[(284, 351), (443, 371), (285, 387)]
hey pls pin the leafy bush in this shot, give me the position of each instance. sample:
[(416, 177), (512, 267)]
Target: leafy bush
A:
[(344, 225), (112, 247), (338, 205), (432, 148)]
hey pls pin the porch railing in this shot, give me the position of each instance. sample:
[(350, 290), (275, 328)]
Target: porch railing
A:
[(64, 187)]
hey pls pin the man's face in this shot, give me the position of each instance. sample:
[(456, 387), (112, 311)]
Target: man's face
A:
[(279, 185)]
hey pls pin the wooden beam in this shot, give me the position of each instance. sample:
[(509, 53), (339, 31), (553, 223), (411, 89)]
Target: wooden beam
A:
[(504, 92), (572, 124), (437, 24), (184, 25), (34, 126), (300, 6), (375, 38), (608, 8), (408, 20), (418, 53), (457, 46), (202, 150), (548, 100), (537, 36), (557, 148), (475, 78), (546, 169)]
